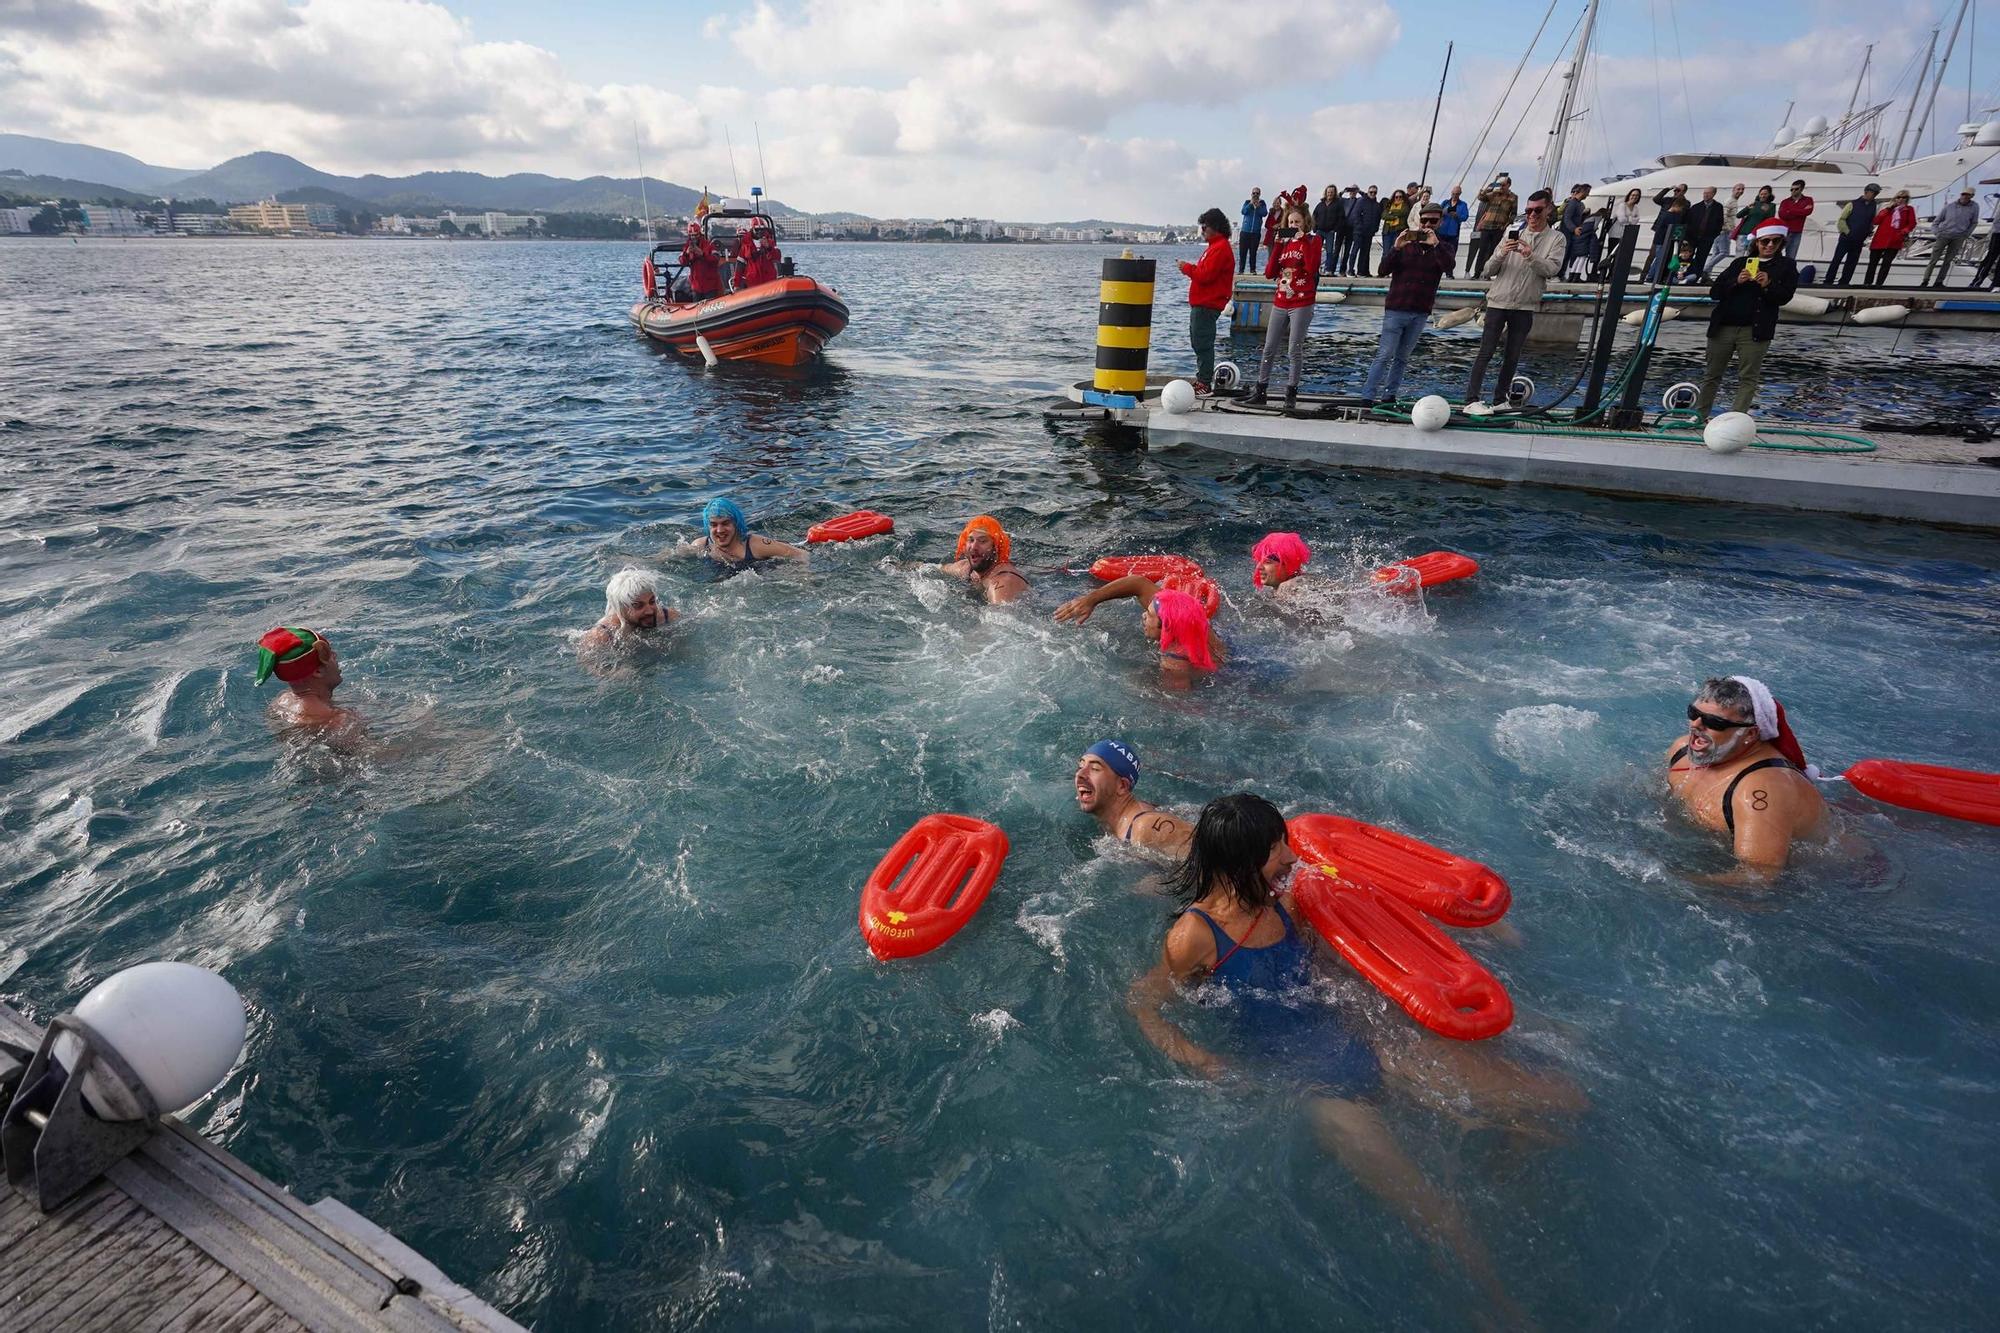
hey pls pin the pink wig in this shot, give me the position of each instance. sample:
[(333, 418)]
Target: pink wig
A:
[(1287, 548), (1183, 627)]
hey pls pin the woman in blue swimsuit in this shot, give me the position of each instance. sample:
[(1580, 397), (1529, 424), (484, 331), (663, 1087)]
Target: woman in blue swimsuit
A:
[(1241, 931)]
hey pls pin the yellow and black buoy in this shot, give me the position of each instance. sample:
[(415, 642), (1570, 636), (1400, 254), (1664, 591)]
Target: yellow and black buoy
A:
[(1124, 324)]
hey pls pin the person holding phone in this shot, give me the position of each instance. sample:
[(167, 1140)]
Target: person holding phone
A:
[(1520, 268), (1414, 265), (1748, 295), (1498, 206)]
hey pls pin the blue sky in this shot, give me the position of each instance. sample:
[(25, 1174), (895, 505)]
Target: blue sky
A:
[(1021, 109)]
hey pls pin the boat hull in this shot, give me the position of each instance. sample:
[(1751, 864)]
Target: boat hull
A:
[(784, 322)]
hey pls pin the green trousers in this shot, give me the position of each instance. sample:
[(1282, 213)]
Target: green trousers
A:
[(1725, 342), (1201, 332)]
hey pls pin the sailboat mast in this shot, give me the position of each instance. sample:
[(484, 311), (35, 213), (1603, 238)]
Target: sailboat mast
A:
[(1425, 175), (1915, 93), (1566, 105), (1938, 80), (1855, 96)]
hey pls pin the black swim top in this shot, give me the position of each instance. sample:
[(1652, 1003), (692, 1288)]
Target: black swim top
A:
[(1729, 792), (731, 566), (1125, 834)]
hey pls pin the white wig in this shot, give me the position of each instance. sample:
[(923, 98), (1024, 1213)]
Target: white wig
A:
[(626, 586)]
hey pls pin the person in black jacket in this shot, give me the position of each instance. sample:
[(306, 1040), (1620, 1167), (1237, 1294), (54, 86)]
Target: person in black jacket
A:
[(1747, 296), (1364, 219), (1330, 220), (1702, 226), (1856, 225)]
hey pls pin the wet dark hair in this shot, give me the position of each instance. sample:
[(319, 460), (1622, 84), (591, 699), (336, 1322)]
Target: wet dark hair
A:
[(1232, 841), (1215, 221), (1730, 693)]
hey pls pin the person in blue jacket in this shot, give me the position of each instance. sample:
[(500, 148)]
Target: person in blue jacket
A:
[(1254, 210), (1455, 214)]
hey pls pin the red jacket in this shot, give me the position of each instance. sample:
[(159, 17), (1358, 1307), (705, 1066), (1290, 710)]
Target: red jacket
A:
[(1211, 276), (758, 249), (1893, 226), (703, 274), (1794, 212), (1295, 264)]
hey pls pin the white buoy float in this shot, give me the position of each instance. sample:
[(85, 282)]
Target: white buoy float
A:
[(1451, 319), (1177, 398), (1430, 412), (1805, 303), (707, 353), (180, 1027), (1730, 433), (1330, 298), (1882, 314)]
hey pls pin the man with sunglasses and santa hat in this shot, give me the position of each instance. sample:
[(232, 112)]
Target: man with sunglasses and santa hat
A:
[(1739, 770)]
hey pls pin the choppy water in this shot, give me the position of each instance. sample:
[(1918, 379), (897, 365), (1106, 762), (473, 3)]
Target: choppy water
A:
[(566, 988)]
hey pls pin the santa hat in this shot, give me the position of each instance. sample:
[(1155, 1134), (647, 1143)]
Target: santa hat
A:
[(1299, 194), (1772, 726), (1772, 231)]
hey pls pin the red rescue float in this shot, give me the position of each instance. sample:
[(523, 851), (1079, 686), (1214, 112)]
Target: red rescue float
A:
[(851, 527), (1157, 568), (930, 884), (1432, 568), (1199, 587), (1405, 957), (1960, 793), (1456, 891)]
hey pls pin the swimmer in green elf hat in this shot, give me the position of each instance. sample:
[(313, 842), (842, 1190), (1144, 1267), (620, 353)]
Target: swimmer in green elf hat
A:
[(304, 661)]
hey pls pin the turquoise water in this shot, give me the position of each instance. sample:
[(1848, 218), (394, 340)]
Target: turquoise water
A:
[(564, 985)]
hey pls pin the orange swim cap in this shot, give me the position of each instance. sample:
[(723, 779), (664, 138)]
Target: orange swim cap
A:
[(989, 525)]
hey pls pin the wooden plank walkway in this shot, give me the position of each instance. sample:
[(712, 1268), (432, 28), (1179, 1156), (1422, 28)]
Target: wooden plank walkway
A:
[(182, 1236)]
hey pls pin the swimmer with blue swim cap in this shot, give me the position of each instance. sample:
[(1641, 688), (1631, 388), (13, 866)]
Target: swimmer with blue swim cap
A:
[(731, 545), (1105, 777)]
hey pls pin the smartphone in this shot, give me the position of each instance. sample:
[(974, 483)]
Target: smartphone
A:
[(1750, 266)]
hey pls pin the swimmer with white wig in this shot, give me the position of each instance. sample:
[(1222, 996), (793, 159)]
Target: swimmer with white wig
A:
[(731, 545), (1739, 770), (306, 662), (1175, 621), (984, 559), (632, 607), (1105, 777)]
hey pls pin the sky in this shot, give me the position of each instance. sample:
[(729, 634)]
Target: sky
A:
[(1044, 110)]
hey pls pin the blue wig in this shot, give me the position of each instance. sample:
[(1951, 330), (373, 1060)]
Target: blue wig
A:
[(724, 507)]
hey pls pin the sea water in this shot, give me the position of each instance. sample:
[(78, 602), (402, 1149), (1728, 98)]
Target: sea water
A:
[(560, 979)]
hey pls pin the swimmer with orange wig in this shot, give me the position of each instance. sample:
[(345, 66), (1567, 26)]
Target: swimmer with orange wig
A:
[(1175, 621), (1278, 558), (984, 560)]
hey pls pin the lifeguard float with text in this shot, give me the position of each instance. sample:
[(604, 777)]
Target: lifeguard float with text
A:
[(782, 321)]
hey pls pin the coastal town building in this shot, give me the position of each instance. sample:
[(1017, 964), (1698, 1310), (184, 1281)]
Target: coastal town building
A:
[(103, 220), (14, 221), (508, 224), (270, 215)]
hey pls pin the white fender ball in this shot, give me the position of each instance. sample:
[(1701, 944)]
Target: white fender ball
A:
[(1177, 397), (1730, 433), (1430, 412), (180, 1027), (1881, 314), (1805, 303)]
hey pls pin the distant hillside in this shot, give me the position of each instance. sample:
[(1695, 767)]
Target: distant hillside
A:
[(76, 161), (18, 185)]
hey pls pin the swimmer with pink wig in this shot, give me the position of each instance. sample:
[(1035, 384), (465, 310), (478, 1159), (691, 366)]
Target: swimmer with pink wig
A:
[(1171, 618), (1279, 557)]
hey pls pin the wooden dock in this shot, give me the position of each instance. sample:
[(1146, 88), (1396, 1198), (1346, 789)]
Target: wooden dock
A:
[(181, 1235)]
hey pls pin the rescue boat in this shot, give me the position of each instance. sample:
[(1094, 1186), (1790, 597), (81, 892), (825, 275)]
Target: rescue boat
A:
[(781, 322)]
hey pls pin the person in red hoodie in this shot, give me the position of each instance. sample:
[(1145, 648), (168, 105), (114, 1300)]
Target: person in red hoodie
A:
[(757, 251), (1893, 226), (1793, 210), (1209, 282), (1294, 264), (703, 264)]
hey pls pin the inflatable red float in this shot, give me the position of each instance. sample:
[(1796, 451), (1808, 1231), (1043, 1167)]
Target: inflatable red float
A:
[(1432, 568), (1405, 957), (1456, 891), (1197, 586), (849, 527), (1158, 568), (930, 884), (1960, 793)]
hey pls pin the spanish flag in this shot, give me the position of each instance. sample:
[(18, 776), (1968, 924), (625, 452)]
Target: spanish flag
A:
[(701, 209)]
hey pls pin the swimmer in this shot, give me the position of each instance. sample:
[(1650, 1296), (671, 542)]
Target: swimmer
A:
[(304, 661), (1172, 619), (1239, 929), (632, 607), (1278, 558), (1739, 770), (1105, 777), (984, 560), (730, 545)]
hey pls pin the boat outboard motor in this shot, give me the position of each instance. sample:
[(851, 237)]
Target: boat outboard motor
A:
[(786, 268)]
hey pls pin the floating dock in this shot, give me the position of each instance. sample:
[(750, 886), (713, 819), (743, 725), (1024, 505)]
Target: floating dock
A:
[(1929, 478), (180, 1235)]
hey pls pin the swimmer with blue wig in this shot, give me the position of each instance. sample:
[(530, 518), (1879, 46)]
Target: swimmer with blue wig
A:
[(730, 545), (632, 608), (1240, 929), (1105, 777)]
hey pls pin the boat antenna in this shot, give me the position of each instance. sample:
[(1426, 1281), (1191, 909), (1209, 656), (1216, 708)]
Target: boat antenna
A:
[(763, 175), (1425, 175), (643, 203), (731, 146)]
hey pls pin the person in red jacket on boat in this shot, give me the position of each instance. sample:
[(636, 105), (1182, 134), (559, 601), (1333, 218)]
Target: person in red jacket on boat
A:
[(1893, 226), (702, 264), (757, 253), (1739, 770), (1210, 280), (1793, 210)]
